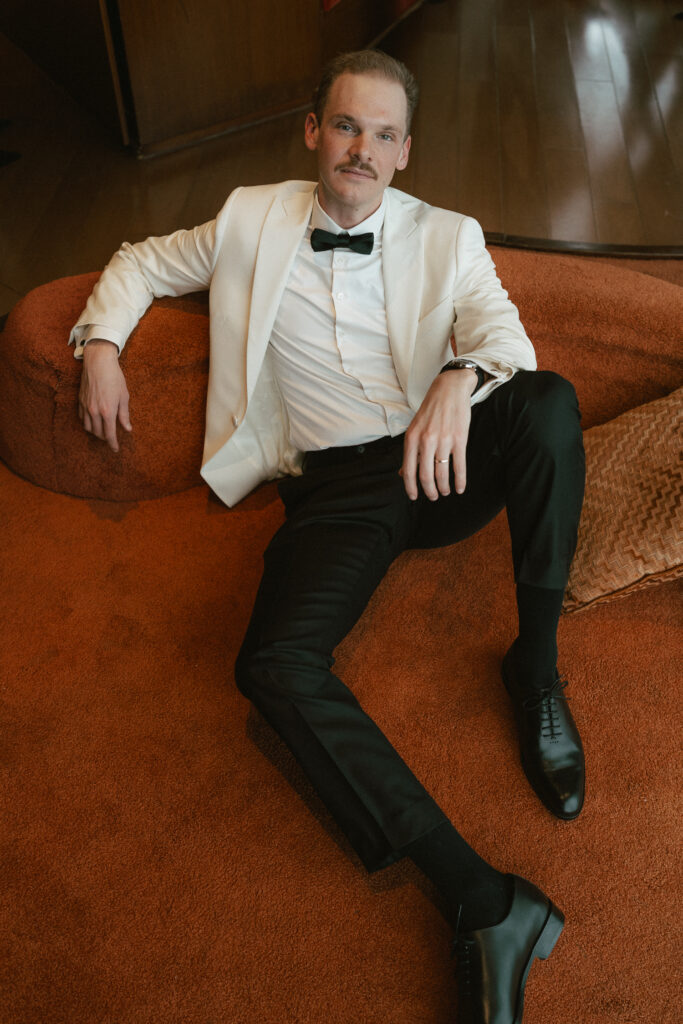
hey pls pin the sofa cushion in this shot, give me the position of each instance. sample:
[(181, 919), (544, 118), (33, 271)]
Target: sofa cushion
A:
[(166, 369), (631, 531)]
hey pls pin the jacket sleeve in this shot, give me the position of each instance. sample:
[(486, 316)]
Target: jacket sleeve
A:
[(487, 327), (173, 264)]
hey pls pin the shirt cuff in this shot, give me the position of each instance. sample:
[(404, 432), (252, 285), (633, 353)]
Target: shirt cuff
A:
[(83, 333)]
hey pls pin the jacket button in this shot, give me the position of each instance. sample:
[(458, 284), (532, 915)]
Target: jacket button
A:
[(235, 421)]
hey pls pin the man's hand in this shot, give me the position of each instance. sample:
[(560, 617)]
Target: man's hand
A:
[(103, 397), (439, 432)]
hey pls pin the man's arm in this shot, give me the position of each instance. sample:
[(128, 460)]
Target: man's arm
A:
[(488, 330), (136, 274), (169, 265)]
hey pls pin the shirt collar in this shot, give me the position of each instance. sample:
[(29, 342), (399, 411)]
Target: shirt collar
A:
[(374, 223)]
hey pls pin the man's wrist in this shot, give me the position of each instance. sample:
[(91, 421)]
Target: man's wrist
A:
[(461, 364), (102, 344)]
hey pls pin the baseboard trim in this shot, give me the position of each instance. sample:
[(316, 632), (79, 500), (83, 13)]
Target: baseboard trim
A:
[(643, 252)]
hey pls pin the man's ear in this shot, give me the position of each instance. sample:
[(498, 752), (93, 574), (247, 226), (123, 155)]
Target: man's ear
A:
[(311, 131), (405, 150)]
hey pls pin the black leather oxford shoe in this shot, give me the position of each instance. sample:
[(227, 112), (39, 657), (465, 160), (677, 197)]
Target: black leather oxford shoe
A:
[(549, 743), (493, 963)]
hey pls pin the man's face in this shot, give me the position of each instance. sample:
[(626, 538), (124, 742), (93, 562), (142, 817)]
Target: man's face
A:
[(360, 143)]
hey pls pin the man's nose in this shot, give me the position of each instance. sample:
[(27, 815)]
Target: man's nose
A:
[(361, 148)]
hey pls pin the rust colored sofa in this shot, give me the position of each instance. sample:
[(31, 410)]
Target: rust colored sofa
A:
[(616, 335), (163, 859)]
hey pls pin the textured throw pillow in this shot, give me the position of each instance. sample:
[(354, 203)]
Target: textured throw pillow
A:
[(631, 531)]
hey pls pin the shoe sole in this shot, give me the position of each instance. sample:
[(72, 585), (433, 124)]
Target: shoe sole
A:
[(543, 947)]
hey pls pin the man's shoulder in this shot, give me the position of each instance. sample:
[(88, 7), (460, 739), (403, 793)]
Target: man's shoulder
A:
[(259, 194), (251, 204), (425, 214)]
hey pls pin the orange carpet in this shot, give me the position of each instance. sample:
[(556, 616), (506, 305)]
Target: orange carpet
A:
[(164, 862)]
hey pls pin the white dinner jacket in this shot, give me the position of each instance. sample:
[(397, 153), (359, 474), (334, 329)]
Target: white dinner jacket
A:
[(439, 281)]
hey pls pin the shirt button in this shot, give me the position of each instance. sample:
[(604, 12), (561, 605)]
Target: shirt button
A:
[(340, 295)]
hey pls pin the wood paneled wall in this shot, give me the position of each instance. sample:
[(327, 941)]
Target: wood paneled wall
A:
[(186, 70), (197, 67)]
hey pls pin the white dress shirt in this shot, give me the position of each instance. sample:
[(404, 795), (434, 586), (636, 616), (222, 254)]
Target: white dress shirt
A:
[(330, 344)]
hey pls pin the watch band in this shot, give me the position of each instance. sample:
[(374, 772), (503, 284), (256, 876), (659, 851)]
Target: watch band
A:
[(461, 363)]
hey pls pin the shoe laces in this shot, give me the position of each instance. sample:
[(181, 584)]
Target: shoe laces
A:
[(545, 701), (461, 949)]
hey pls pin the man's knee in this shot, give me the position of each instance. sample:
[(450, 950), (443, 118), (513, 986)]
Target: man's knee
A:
[(278, 669), (550, 406), (253, 670), (545, 386)]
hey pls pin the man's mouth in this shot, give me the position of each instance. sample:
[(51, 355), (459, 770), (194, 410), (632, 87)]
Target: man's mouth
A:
[(360, 172)]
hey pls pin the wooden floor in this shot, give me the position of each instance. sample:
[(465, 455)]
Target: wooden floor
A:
[(545, 119), (558, 119)]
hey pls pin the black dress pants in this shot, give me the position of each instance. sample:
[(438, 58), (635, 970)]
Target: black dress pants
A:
[(348, 517)]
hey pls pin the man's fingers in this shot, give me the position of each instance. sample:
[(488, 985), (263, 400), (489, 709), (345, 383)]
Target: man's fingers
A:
[(427, 470), (432, 468), (124, 413), (95, 424), (102, 425), (109, 426), (442, 473)]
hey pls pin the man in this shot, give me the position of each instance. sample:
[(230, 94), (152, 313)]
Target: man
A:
[(333, 313)]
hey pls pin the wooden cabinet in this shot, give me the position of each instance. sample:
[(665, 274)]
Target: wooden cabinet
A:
[(190, 69)]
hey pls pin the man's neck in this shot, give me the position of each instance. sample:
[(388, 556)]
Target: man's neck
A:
[(346, 217)]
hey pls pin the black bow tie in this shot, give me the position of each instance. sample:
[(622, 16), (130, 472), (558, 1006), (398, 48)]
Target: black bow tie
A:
[(322, 240)]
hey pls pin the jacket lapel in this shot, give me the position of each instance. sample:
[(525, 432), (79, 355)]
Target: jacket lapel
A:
[(282, 231), (402, 268)]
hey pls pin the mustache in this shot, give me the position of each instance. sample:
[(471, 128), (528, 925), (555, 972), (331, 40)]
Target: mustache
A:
[(355, 165)]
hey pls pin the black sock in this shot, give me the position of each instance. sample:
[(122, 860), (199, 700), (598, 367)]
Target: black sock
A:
[(536, 646), (463, 879)]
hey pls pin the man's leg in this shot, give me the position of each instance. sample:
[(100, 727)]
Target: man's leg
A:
[(525, 451), (345, 525), (341, 534)]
